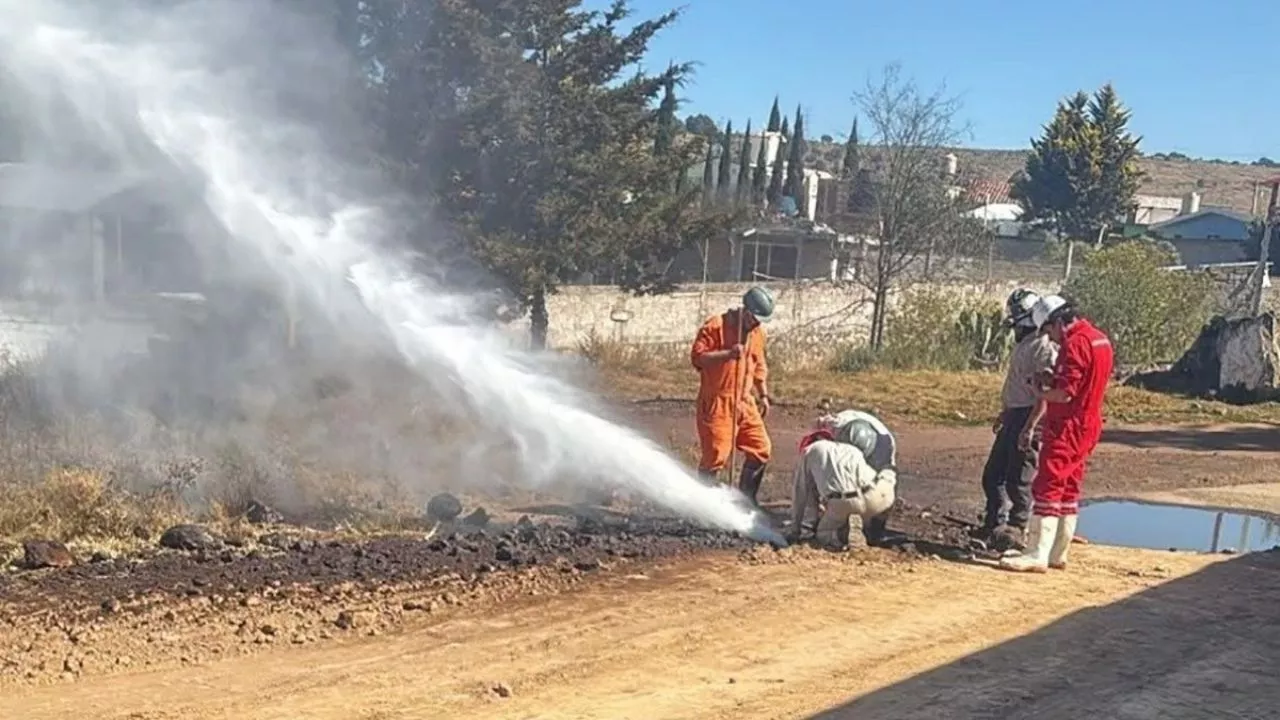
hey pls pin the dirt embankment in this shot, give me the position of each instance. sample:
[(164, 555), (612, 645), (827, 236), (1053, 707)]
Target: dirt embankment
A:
[(769, 635), (191, 606)]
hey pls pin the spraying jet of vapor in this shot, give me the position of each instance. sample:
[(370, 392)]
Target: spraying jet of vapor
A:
[(203, 107)]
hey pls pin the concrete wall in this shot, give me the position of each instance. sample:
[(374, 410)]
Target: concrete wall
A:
[(27, 331), (806, 311)]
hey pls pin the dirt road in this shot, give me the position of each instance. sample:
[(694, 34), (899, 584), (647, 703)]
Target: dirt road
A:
[(647, 620), (788, 636), (941, 467)]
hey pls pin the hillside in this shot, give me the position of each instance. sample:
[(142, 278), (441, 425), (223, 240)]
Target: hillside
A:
[(1220, 183)]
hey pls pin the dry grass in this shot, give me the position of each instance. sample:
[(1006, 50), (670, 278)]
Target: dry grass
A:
[(928, 397), (83, 509), (68, 475)]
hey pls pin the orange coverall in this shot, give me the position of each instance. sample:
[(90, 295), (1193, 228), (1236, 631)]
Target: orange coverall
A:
[(724, 384)]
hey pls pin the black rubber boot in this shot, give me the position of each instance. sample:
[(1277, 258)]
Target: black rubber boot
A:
[(750, 480), (876, 530)]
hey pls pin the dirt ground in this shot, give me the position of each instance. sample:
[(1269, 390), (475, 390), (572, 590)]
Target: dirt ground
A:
[(939, 468), (639, 618)]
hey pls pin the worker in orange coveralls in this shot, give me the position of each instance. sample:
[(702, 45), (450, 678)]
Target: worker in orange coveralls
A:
[(1072, 409), (729, 355)]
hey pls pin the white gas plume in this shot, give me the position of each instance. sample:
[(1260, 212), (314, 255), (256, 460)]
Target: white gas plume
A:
[(228, 93)]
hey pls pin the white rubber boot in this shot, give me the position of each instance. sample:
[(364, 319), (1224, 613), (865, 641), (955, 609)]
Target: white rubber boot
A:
[(1042, 532), (1061, 544)]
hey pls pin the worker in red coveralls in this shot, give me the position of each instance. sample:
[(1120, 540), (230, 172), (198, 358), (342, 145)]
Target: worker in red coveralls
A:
[(1072, 409)]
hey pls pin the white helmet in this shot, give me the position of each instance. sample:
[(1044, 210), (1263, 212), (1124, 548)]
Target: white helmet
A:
[(1018, 306), (1045, 308)]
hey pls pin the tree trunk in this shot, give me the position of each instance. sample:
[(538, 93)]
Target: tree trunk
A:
[(878, 313), (539, 321)]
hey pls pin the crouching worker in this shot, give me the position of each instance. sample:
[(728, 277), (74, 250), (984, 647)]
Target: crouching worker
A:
[(838, 485)]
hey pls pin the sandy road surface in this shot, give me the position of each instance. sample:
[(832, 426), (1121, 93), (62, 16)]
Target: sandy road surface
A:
[(650, 626), (790, 635)]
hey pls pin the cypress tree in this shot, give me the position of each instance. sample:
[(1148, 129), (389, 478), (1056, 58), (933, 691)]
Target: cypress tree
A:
[(775, 181), (852, 161), (775, 117), (666, 118), (709, 173), (724, 174), (760, 177), (785, 129), (744, 166), (795, 162)]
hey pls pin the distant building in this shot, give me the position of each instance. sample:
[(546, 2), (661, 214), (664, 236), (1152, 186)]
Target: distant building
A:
[(1153, 209), (126, 256), (1206, 224), (1002, 218), (775, 249)]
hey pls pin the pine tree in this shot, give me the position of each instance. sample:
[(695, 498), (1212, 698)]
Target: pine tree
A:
[(744, 167), (724, 173), (852, 161), (532, 156), (1082, 173), (775, 117), (1118, 156), (1060, 171), (795, 162)]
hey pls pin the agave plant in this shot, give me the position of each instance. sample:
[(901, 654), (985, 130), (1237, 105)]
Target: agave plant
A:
[(985, 334)]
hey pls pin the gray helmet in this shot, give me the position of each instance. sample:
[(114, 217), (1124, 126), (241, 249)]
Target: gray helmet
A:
[(1018, 307), (860, 434), (759, 302)]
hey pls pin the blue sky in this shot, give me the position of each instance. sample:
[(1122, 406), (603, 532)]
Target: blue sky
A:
[(1201, 78)]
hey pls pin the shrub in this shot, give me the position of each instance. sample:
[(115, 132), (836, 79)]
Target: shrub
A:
[(613, 354), (74, 504), (934, 329), (1151, 313)]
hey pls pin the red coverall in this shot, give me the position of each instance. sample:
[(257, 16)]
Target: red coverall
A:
[(1071, 430), (725, 384)]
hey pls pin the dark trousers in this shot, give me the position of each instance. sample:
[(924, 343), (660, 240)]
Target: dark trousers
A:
[(1009, 472)]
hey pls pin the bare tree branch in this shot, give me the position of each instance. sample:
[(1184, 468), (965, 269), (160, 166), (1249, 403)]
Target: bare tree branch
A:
[(909, 203)]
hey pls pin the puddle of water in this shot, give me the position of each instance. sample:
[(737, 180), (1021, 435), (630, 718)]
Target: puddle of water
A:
[(1176, 527)]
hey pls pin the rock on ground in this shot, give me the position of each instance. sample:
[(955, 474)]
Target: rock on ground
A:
[(37, 554), (189, 537), (1233, 359), (444, 507)]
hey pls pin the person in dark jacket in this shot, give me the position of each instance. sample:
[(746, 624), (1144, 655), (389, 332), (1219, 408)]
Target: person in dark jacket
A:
[(1010, 468)]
